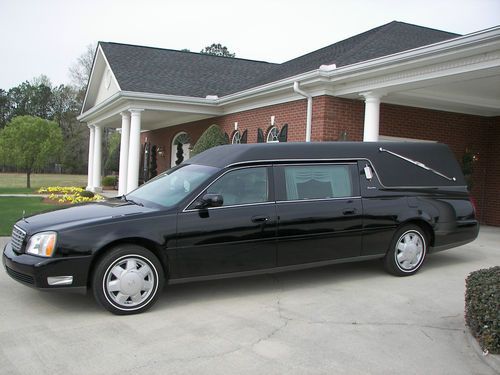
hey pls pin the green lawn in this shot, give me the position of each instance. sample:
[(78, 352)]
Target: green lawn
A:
[(16, 182), (11, 210)]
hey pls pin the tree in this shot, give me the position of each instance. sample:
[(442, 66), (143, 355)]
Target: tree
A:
[(66, 107), (30, 142), (211, 137), (112, 163), (81, 69), (217, 49)]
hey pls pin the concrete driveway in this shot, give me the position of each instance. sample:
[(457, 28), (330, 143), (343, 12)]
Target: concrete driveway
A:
[(343, 319)]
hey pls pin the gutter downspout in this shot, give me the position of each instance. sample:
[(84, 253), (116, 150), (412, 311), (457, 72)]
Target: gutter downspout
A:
[(299, 91)]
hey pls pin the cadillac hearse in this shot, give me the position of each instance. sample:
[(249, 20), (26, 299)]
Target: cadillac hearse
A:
[(240, 210)]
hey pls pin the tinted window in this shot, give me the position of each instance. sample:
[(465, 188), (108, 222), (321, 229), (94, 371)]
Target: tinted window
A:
[(242, 186), (172, 187), (317, 181)]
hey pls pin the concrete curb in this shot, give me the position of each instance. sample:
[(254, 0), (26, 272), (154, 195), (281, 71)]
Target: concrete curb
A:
[(492, 360)]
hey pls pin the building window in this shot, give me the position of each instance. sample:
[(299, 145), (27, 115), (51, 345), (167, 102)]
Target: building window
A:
[(273, 135), (180, 149), (236, 138)]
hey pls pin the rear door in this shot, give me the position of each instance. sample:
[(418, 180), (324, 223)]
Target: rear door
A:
[(319, 211), (236, 237)]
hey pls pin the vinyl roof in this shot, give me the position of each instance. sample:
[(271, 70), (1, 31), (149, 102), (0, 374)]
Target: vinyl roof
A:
[(392, 170)]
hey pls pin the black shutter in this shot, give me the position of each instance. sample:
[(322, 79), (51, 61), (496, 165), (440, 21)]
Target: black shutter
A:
[(283, 133), (260, 136), (243, 138)]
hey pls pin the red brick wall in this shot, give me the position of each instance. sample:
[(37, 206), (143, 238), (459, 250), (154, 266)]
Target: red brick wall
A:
[(333, 117), (491, 173), (292, 113)]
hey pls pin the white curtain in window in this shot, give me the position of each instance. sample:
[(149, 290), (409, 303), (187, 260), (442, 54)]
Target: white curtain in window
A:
[(336, 175)]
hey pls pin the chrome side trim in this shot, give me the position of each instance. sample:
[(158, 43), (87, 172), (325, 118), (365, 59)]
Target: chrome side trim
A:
[(318, 199)]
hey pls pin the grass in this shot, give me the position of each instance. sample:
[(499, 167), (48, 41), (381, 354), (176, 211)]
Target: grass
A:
[(14, 190), (18, 181), (12, 210)]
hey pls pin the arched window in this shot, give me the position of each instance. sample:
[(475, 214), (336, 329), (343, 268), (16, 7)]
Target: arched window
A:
[(179, 149), (273, 135), (236, 139)]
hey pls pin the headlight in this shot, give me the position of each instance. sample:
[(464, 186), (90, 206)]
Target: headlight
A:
[(42, 244)]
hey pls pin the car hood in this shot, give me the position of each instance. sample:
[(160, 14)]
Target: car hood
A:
[(86, 213)]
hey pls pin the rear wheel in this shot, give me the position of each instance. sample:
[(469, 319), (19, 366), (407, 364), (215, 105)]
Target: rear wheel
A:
[(407, 252), (127, 280)]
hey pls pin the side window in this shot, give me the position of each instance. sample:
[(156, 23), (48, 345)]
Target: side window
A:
[(242, 186), (317, 181)]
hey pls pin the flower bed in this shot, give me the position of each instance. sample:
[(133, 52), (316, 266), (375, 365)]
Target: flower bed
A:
[(69, 194)]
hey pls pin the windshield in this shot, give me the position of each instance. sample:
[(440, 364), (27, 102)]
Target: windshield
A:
[(171, 187)]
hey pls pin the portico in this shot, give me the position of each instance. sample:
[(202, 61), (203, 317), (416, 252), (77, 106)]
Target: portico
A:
[(412, 83)]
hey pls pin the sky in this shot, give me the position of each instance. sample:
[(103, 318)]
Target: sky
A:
[(47, 36)]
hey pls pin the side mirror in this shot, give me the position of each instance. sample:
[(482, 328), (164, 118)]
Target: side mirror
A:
[(211, 200), (368, 172)]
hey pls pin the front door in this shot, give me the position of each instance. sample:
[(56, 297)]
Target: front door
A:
[(236, 237)]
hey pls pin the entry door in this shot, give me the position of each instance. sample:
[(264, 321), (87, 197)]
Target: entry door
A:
[(320, 213), (236, 237)]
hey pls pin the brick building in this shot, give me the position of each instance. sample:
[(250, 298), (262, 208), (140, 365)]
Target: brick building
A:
[(395, 82)]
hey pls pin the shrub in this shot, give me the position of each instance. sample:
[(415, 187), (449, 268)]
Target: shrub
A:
[(482, 307), (86, 194), (109, 180), (211, 137)]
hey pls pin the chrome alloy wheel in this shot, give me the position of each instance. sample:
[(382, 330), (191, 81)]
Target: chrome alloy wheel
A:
[(130, 281), (410, 251)]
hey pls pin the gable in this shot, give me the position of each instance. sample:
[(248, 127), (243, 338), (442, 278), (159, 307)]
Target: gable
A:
[(102, 82)]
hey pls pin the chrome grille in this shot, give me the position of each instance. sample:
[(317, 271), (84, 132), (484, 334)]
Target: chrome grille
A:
[(17, 239)]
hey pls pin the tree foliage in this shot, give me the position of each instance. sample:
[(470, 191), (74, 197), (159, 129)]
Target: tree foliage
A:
[(112, 162), (30, 142), (213, 136), (217, 49), (81, 69)]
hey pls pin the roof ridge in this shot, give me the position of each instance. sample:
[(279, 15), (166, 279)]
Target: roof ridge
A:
[(190, 52), (340, 41)]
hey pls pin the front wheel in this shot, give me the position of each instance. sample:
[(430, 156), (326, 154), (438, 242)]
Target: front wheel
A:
[(407, 252), (127, 280)]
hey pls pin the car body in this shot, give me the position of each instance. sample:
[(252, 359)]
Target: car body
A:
[(239, 210)]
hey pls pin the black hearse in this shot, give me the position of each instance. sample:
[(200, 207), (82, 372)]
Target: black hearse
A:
[(245, 209)]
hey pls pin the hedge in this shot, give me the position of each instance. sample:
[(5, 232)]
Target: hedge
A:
[(109, 180), (482, 307)]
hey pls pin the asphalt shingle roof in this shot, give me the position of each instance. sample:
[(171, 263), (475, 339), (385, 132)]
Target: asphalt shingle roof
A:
[(164, 71)]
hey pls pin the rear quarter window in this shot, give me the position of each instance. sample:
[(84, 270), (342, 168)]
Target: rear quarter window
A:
[(323, 181)]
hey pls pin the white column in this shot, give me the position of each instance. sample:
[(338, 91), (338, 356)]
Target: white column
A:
[(96, 179), (124, 150), (90, 173), (372, 116), (134, 154)]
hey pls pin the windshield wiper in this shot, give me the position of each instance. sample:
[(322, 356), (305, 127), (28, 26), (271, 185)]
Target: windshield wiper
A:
[(124, 197)]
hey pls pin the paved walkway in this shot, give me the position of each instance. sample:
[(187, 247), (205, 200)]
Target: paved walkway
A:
[(344, 319)]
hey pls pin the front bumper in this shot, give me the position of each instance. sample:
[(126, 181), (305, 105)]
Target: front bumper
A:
[(33, 271)]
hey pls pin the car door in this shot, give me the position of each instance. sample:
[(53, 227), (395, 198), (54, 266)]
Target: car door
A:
[(319, 211), (238, 236)]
